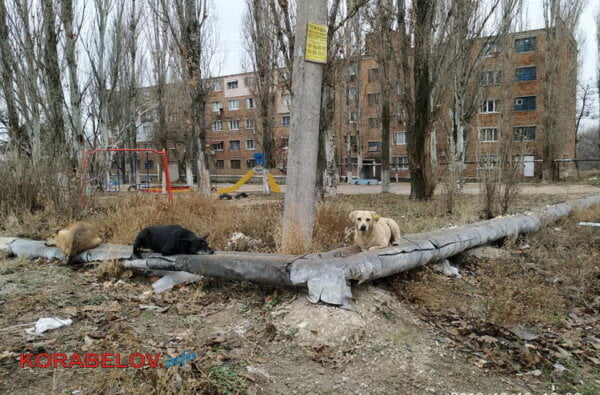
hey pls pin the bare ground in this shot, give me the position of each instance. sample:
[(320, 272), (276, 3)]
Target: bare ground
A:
[(415, 333)]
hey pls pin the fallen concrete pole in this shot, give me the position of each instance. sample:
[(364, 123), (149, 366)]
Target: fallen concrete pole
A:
[(326, 275)]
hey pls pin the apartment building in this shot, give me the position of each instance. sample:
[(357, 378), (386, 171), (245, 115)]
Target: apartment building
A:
[(232, 115), (511, 105)]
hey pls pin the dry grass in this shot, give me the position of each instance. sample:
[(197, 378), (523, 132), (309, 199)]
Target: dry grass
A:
[(535, 285), (35, 195)]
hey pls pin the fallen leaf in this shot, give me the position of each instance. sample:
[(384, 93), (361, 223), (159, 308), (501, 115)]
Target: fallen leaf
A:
[(152, 307), (523, 334), (488, 339)]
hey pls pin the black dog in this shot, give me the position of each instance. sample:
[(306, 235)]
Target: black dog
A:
[(170, 240)]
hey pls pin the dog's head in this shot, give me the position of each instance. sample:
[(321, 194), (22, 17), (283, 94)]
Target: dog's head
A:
[(196, 244), (363, 220)]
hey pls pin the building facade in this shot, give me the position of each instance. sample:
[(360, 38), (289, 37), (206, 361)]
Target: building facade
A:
[(512, 79)]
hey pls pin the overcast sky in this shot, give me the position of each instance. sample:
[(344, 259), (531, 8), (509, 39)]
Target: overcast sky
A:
[(230, 14)]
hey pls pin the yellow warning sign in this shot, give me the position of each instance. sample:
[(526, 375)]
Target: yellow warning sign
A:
[(316, 43)]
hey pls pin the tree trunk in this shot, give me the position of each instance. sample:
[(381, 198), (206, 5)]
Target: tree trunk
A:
[(307, 77), (53, 81), (71, 35), (385, 146), (18, 139)]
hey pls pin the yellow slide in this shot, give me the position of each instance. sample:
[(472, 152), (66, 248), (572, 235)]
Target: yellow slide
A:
[(274, 187), (238, 184)]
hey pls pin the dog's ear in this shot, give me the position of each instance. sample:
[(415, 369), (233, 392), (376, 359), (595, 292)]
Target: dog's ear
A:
[(206, 237), (353, 215), (375, 216)]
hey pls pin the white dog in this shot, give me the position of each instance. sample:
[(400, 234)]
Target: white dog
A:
[(373, 231)]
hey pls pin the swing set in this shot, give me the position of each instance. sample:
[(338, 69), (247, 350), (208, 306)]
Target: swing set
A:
[(116, 184)]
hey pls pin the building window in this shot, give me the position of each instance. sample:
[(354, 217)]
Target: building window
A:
[(400, 115), (217, 106), (525, 103), (250, 145), (352, 117), (525, 44), (398, 88), (234, 145), (286, 99), (234, 124), (488, 161), (352, 70), (217, 146), (147, 129), (284, 143), (250, 163), (232, 84), (399, 138), (373, 123), (524, 133), (147, 116), (250, 102), (285, 121), (373, 74), (487, 135), (526, 74), (235, 164), (373, 99), (250, 123), (351, 93), (400, 163), (249, 82), (374, 146), (217, 86), (491, 77), (219, 164), (491, 50), (234, 105), (217, 126), (489, 106)]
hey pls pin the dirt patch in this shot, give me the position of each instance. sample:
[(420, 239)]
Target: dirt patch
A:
[(246, 338)]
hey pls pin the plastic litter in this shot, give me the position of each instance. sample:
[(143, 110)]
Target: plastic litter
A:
[(595, 224), (172, 279), (447, 269), (47, 323)]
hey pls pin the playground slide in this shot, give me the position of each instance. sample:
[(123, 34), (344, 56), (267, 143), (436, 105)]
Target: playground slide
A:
[(238, 184), (273, 184)]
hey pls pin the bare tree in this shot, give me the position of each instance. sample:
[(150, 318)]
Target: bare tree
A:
[(16, 134), (284, 20), (466, 83), (598, 64), (422, 24), (354, 46), (261, 46), (52, 81), (383, 43), (190, 27), (561, 18), (27, 37), (71, 32)]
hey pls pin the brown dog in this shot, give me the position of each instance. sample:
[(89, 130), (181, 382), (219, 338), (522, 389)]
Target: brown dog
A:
[(76, 238), (373, 231)]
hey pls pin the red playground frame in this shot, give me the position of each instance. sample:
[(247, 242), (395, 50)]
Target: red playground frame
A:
[(162, 153)]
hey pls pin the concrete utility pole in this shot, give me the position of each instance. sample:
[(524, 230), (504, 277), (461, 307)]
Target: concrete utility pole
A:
[(300, 195)]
